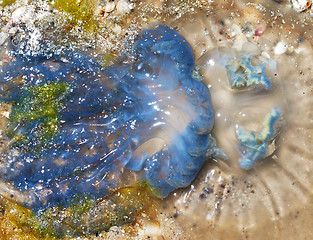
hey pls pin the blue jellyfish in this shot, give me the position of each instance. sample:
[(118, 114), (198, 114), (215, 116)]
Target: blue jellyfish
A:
[(75, 125), (243, 74), (254, 146)]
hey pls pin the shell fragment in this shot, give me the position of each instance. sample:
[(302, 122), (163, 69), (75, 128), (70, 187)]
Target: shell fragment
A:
[(301, 5)]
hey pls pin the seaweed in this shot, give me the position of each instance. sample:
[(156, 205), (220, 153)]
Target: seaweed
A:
[(39, 107)]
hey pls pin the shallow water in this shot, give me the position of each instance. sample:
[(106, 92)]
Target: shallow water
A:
[(273, 199)]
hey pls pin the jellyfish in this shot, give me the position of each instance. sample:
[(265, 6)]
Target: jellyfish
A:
[(244, 90), (254, 145), (243, 74), (75, 125)]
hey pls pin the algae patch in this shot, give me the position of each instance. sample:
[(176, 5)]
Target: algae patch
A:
[(6, 2), (82, 217), (79, 12), (38, 107)]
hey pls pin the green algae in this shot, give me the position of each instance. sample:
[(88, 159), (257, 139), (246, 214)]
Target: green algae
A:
[(83, 216), (6, 2), (18, 222), (79, 206), (149, 188), (40, 106), (79, 12), (108, 59), (124, 206)]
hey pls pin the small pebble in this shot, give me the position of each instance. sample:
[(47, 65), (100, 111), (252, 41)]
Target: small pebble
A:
[(123, 7), (280, 48), (5, 114), (250, 48), (18, 13), (3, 37), (208, 190), (202, 195), (12, 30), (236, 30), (109, 7), (117, 29), (259, 31)]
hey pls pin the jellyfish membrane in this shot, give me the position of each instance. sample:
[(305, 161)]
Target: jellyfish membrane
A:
[(254, 145), (145, 113)]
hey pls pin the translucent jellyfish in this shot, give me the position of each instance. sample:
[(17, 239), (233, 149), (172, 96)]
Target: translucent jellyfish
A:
[(243, 74), (75, 125), (255, 145), (244, 90)]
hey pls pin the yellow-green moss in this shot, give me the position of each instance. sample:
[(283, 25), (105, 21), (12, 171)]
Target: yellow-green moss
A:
[(17, 222), (82, 217), (124, 206), (39, 105), (108, 59), (80, 12), (6, 2)]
